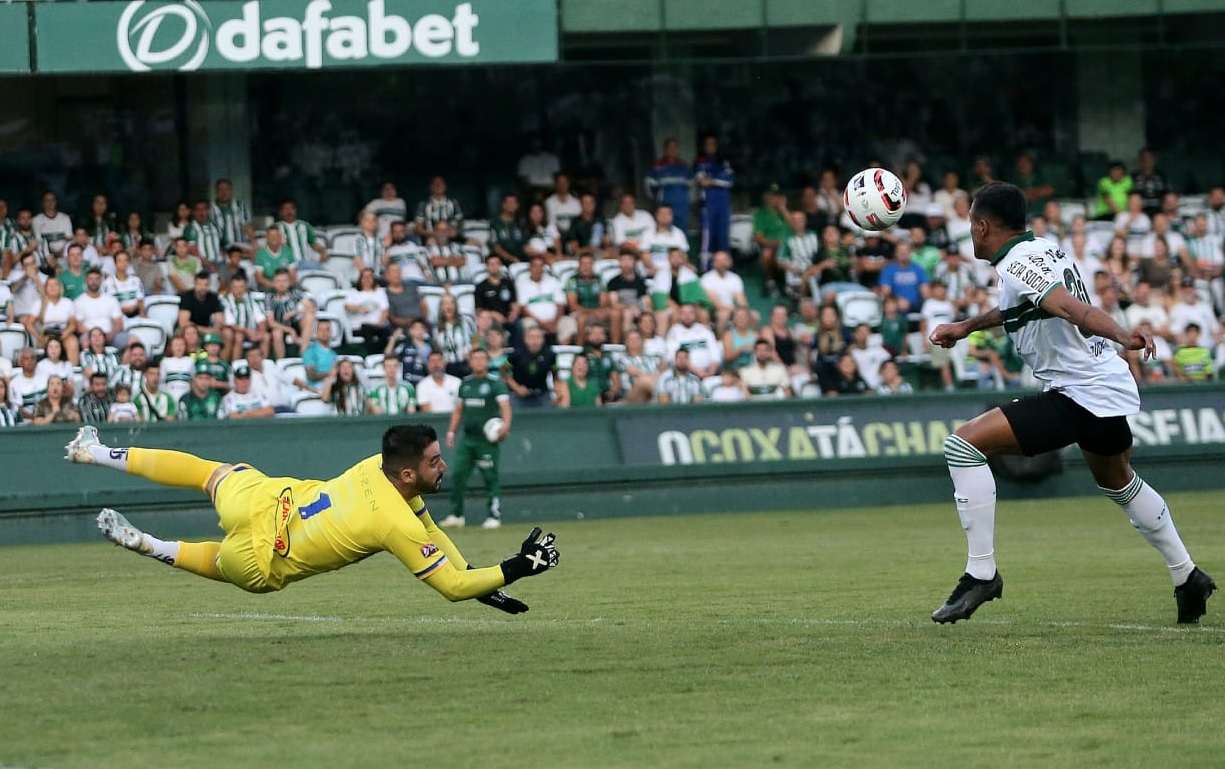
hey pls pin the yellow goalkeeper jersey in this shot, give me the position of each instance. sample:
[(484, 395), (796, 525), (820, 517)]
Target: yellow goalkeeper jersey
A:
[(306, 527)]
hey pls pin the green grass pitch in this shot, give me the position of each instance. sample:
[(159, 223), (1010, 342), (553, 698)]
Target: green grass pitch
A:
[(754, 640)]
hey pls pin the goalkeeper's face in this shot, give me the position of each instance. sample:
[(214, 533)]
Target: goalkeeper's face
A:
[(431, 470)]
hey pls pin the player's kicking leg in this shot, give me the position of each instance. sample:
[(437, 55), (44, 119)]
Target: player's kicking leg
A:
[(170, 468), (966, 452), (1151, 517)]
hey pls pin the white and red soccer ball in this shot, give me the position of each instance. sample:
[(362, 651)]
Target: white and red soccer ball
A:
[(875, 199)]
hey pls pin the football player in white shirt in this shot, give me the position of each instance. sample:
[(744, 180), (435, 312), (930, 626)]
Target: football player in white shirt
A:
[(1088, 394)]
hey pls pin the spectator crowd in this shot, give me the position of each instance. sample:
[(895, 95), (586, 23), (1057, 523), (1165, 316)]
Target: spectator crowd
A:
[(579, 302)]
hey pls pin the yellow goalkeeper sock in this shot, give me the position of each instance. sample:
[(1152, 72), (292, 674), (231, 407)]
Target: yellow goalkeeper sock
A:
[(171, 468), (200, 558)]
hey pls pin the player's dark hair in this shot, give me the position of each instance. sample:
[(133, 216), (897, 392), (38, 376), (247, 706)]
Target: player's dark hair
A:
[(404, 445), (1002, 203), (204, 275)]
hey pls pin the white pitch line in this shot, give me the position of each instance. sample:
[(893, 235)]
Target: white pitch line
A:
[(809, 621)]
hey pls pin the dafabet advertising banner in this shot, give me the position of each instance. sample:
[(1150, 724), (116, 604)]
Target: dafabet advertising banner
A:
[(142, 36)]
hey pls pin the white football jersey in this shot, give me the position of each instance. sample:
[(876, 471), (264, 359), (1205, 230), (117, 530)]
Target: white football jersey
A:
[(1087, 370)]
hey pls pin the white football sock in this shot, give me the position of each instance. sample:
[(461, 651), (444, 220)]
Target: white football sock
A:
[(105, 456), (1151, 517), (166, 552), (974, 493)]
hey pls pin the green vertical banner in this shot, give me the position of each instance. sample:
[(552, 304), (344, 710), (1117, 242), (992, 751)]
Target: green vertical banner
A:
[(206, 35), (14, 38)]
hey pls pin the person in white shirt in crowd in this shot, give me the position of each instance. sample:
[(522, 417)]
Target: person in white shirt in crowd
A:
[(1190, 309), (1144, 309), (658, 241), (937, 310), (411, 257), (561, 207), (948, 194), (52, 226), (26, 387), (631, 225), (56, 319), (367, 310), (537, 168), (731, 388), (1133, 224), (244, 402), (542, 301), (55, 363), (178, 368), (266, 378), (388, 208), (703, 347), (958, 228), (639, 370), (126, 287), (724, 290), (868, 356), (765, 378), (26, 285), (245, 321), (437, 393), (95, 309), (122, 409)]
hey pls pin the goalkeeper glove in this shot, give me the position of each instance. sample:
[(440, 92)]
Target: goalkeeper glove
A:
[(536, 556), (501, 601)]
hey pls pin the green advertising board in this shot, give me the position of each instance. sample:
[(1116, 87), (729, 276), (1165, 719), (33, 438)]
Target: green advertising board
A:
[(14, 38), (142, 36)]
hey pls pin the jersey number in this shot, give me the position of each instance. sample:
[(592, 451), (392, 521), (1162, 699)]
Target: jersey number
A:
[(1076, 287), (316, 507)]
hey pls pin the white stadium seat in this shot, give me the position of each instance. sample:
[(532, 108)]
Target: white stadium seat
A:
[(163, 310), (858, 307), (565, 358), (318, 283), (151, 333), (432, 296), (12, 339)]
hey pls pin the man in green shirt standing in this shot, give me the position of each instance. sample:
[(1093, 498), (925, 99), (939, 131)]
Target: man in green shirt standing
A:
[(481, 398)]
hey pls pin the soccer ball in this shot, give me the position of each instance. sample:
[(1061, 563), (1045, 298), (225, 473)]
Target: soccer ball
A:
[(875, 199), (492, 429)]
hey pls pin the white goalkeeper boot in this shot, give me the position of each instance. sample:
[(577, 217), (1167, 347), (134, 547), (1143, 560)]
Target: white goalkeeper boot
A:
[(78, 448), (116, 528)]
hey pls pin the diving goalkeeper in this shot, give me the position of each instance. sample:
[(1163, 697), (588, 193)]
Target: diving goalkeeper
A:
[(281, 530)]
